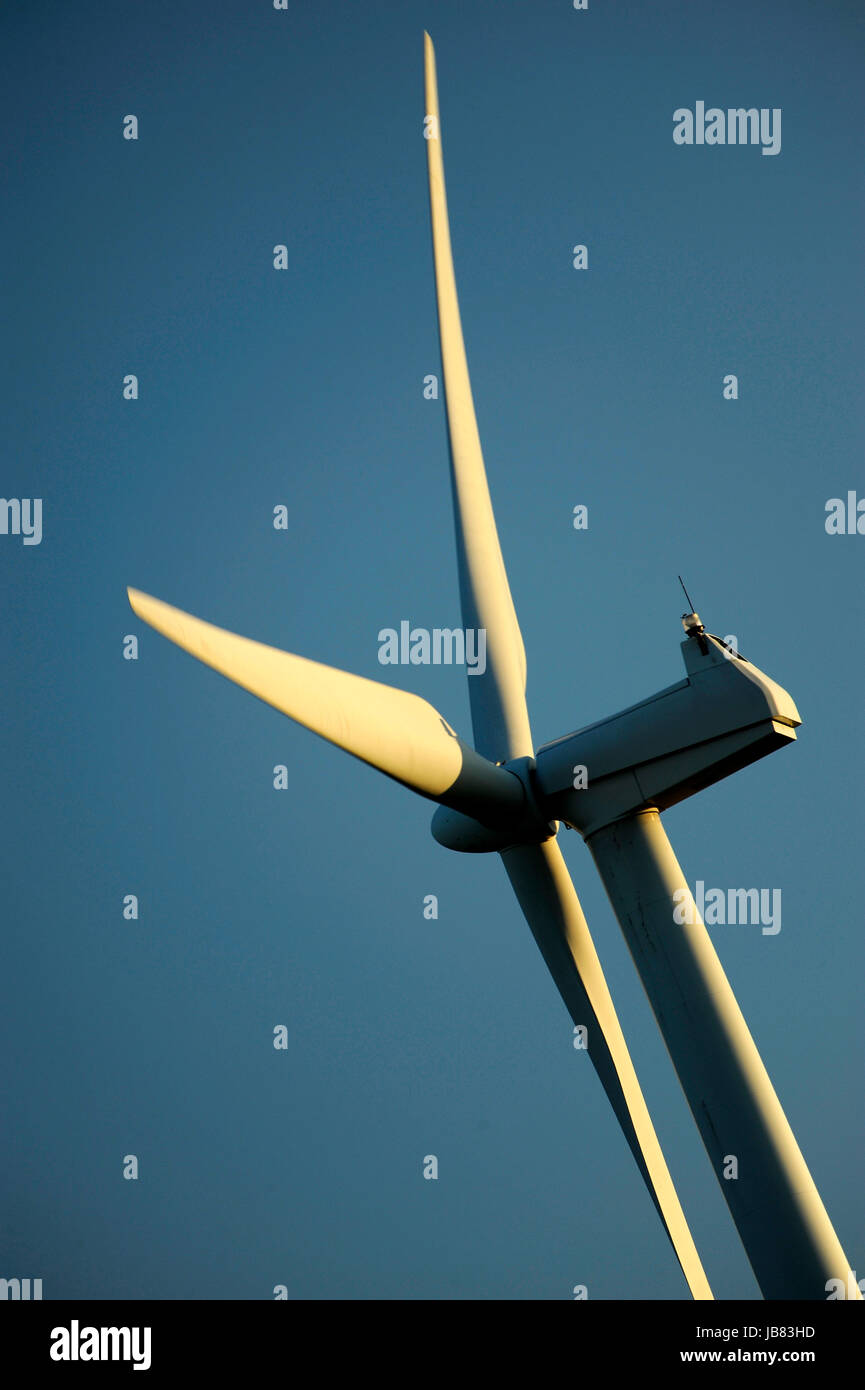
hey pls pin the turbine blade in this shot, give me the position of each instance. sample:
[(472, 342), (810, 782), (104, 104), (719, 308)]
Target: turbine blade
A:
[(498, 697), (543, 886), (392, 730)]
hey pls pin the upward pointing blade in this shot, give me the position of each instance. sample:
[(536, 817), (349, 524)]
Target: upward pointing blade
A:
[(541, 881), (498, 697), (392, 730), (501, 727)]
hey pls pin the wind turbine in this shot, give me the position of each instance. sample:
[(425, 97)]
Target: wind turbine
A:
[(501, 796)]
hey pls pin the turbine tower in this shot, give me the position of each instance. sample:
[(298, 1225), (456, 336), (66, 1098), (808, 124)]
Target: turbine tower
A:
[(501, 796)]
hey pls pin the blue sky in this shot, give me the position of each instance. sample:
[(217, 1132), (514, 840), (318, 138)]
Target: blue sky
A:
[(303, 387)]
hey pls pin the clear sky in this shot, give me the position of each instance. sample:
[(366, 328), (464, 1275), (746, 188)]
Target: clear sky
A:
[(304, 387)]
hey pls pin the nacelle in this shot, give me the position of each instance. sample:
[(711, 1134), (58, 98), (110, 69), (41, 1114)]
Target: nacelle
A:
[(725, 715)]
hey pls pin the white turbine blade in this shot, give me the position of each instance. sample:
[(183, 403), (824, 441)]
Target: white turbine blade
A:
[(543, 886), (392, 730), (501, 727), (498, 697)]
